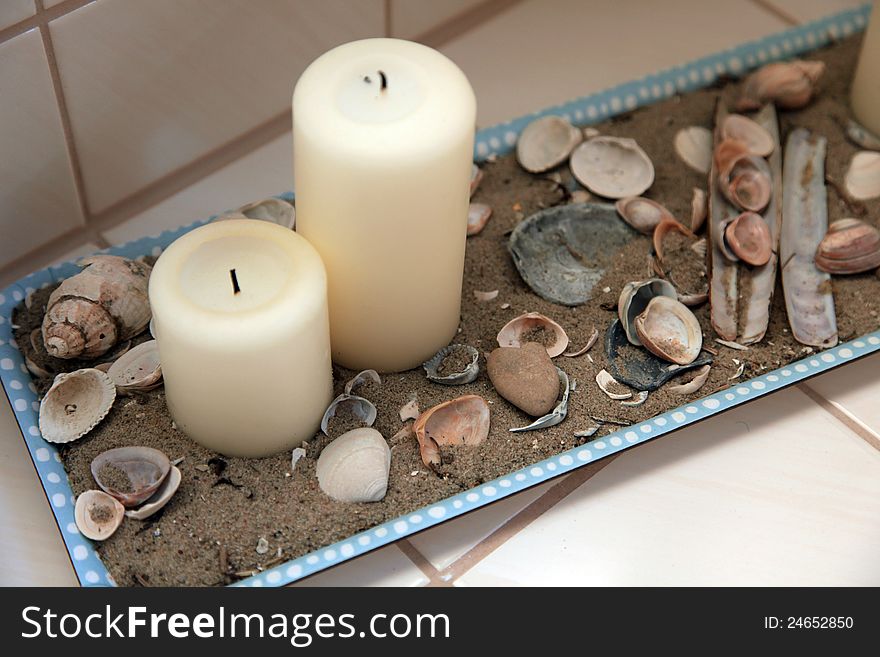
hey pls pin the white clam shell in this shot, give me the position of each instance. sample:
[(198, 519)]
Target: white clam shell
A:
[(158, 499), (97, 515), (635, 297), (75, 404), (362, 408), (613, 167), (512, 333), (669, 330), (643, 214), (604, 380), (138, 369), (545, 143), (694, 146), (863, 176), (355, 466)]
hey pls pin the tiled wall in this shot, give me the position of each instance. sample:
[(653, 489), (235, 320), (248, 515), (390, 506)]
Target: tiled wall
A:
[(109, 106)]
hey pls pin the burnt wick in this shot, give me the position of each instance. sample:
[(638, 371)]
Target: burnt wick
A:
[(235, 288), (384, 84)]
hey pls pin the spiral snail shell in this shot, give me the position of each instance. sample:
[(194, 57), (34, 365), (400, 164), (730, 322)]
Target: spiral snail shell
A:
[(102, 305)]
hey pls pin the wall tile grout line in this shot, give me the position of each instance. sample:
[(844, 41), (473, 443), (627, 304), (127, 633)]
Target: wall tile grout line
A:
[(419, 560), (41, 16), (779, 12), (842, 416), (388, 18), (467, 20)]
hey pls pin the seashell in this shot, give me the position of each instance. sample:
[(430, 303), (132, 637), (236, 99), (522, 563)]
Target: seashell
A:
[(102, 305), (97, 515), (590, 132), (545, 143), (361, 408), (589, 345), (138, 370), (75, 404), (789, 85), (694, 146), (157, 501), (466, 375), (409, 411), (130, 474), (643, 214), (558, 414), (743, 178), (740, 128), (694, 384), (669, 330), (580, 196), (355, 467), (861, 137), (461, 421), (640, 398), (274, 210), (604, 380), (38, 371), (850, 246), (747, 237), (613, 167), (562, 252), (634, 298), (483, 297), (476, 178), (478, 215), (360, 379), (863, 176), (520, 330), (295, 455), (699, 209)]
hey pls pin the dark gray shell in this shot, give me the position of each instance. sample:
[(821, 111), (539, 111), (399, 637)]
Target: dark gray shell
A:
[(562, 252)]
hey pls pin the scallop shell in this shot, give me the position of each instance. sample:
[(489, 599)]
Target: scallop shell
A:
[(360, 407), (461, 421), (102, 305), (144, 467), (75, 404), (743, 178), (643, 214), (863, 176), (613, 167), (634, 298), (545, 143), (274, 210), (138, 370), (757, 140), (157, 501), (850, 246), (355, 467), (478, 215), (789, 85), (467, 375), (747, 236), (669, 330), (97, 515), (512, 333), (694, 146)]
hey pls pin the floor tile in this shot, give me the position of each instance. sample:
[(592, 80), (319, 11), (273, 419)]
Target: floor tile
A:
[(774, 493), (855, 390), (387, 566), (411, 18), (266, 171), (805, 11), (543, 52)]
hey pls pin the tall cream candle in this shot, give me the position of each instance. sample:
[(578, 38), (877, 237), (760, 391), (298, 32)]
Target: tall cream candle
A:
[(866, 83), (240, 317), (383, 144)]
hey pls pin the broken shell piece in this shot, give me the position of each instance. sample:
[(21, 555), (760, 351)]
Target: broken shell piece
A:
[(295, 456), (743, 178), (850, 246), (643, 214), (273, 210), (694, 146), (605, 381), (669, 330), (97, 515), (160, 498), (558, 414), (478, 215), (590, 132), (789, 85), (355, 466), (130, 474), (476, 178), (748, 238), (640, 398), (863, 176), (485, 296), (861, 137), (634, 298), (534, 327), (75, 404), (37, 370), (461, 421), (409, 411), (741, 128), (699, 209), (138, 370), (361, 408), (461, 352), (613, 167), (589, 345), (360, 379), (545, 143), (694, 384)]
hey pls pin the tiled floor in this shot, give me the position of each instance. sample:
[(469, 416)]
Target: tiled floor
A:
[(785, 490)]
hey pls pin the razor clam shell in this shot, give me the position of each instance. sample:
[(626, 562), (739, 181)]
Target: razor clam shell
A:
[(468, 375), (860, 136), (808, 297), (555, 416), (364, 409)]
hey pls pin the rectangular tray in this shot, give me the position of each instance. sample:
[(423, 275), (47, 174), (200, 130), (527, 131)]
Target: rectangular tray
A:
[(496, 140)]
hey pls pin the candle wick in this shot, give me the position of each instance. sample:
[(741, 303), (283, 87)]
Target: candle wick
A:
[(235, 288), (384, 84)]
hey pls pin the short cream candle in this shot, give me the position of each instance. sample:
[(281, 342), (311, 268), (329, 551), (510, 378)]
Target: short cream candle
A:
[(240, 317), (866, 83), (383, 148)]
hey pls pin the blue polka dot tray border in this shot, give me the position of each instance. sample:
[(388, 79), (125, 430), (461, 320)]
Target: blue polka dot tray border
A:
[(496, 140)]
